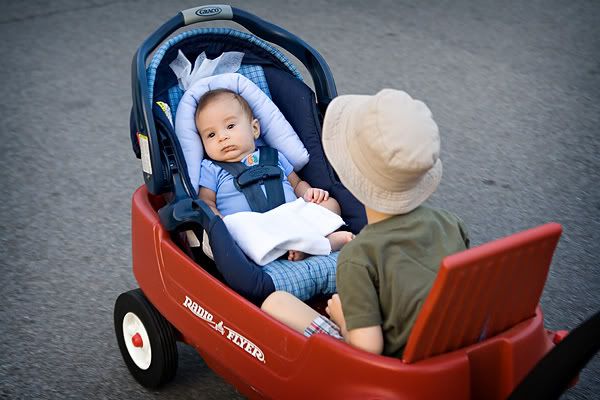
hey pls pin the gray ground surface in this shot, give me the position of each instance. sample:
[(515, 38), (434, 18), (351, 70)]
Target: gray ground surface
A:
[(514, 87)]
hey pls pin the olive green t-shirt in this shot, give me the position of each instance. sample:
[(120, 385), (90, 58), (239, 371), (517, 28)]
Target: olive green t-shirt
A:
[(386, 272)]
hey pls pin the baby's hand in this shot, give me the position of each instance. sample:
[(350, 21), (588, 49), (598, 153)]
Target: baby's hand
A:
[(315, 195)]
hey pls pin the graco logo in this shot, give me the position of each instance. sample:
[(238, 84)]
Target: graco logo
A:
[(208, 11)]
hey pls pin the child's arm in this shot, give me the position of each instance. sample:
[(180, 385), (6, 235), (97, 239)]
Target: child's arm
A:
[(304, 190), (210, 198), (369, 338)]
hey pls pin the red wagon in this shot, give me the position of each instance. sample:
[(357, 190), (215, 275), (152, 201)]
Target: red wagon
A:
[(479, 333)]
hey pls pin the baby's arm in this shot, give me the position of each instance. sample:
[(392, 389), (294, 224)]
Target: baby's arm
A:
[(304, 190), (210, 198)]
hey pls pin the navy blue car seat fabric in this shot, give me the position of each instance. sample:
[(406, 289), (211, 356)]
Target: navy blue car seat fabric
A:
[(165, 129), (296, 101), (241, 274)]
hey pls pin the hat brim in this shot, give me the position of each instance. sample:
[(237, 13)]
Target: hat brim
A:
[(338, 125)]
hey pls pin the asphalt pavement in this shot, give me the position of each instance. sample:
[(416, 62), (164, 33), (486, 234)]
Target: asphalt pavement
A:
[(514, 87)]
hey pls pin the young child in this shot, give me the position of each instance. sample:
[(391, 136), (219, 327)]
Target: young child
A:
[(385, 149), (228, 130)]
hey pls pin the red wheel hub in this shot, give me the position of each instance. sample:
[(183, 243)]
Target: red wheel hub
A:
[(137, 340)]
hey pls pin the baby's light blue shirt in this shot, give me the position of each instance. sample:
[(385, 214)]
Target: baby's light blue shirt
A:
[(229, 199)]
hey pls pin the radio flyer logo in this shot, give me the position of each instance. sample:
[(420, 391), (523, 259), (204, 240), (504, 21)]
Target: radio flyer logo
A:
[(233, 336)]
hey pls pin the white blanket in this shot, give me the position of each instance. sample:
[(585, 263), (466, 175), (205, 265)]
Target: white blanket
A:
[(297, 225)]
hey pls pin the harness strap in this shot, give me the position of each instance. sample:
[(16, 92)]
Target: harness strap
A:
[(248, 180), (273, 186), (253, 192)]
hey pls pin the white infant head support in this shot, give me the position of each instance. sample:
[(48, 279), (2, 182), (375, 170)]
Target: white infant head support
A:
[(276, 131)]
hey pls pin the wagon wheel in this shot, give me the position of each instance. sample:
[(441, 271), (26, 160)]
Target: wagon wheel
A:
[(146, 339)]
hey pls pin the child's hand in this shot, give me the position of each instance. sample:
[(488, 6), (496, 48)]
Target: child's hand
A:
[(335, 312), (315, 195)]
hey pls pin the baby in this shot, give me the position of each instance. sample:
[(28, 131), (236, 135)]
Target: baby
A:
[(228, 130)]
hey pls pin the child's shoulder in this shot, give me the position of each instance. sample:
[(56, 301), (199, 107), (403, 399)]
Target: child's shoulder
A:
[(440, 213), (452, 223), (357, 250)]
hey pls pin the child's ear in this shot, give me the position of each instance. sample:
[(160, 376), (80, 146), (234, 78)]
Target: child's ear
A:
[(255, 128)]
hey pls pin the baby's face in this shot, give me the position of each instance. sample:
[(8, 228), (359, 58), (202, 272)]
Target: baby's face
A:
[(227, 133)]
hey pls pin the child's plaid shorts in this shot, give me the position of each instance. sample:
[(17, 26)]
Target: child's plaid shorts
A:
[(323, 324)]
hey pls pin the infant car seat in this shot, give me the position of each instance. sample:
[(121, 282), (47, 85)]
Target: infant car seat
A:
[(156, 96)]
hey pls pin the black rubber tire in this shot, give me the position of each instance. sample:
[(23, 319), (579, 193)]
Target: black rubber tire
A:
[(163, 345)]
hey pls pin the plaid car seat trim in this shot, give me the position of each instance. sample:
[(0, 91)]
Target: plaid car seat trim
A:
[(253, 72)]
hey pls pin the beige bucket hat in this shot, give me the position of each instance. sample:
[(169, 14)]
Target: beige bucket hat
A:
[(385, 149)]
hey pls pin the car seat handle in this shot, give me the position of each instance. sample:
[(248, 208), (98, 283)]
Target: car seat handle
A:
[(209, 12), (315, 63)]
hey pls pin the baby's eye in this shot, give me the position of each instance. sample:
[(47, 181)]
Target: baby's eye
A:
[(210, 135), (230, 126)]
